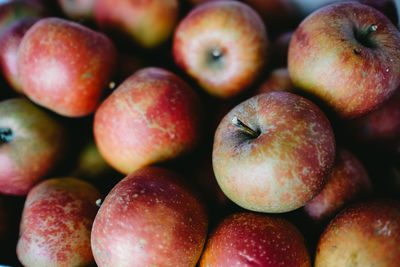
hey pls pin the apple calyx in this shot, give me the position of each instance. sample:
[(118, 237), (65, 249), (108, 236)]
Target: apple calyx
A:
[(364, 37), (244, 128), (6, 135), (215, 58)]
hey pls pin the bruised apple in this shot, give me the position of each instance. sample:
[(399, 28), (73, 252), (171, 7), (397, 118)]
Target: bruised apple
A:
[(151, 117), (247, 239), (56, 223), (273, 152), (65, 66), (149, 219)]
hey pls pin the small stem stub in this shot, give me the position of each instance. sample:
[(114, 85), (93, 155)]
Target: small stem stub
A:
[(6, 135), (244, 128)]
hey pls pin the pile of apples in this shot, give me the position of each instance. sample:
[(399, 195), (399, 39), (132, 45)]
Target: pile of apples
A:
[(199, 133)]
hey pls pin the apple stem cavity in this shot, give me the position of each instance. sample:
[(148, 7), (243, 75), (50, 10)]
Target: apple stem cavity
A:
[(215, 57), (6, 135), (244, 128), (364, 36)]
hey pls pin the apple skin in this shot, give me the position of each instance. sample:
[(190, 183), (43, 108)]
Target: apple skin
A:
[(222, 45), (379, 128), (65, 66), (149, 219), (9, 45), (350, 76), (78, 9), (365, 234), (56, 223), (153, 116), (32, 149), (278, 80), (283, 167), (247, 239), (135, 18), (347, 182)]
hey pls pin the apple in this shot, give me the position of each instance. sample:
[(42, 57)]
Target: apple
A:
[(149, 23), (32, 143), (10, 41), (153, 116), (78, 9), (387, 7), (357, 68), (279, 50), (273, 152), (278, 80), (65, 66), (56, 223), (222, 45), (364, 234), (247, 239), (149, 219), (347, 182), (380, 128)]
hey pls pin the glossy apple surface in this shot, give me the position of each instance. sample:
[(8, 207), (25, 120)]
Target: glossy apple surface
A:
[(347, 182), (78, 9), (56, 223), (365, 234), (65, 66), (357, 68), (222, 45), (149, 219), (151, 117), (247, 239), (273, 152), (32, 142)]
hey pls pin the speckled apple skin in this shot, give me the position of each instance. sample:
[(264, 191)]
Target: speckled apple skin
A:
[(37, 147), (149, 219), (365, 234), (347, 181), (326, 60), (246, 239), (286, 165), (232, 27), (152, 116), (65, 66), (56, 224), (148, 22)]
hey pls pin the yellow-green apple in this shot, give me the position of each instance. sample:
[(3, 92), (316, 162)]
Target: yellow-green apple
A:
[(365, 234), (222, 45), (379, 128), (151, 117), (247, 239), (9, 45), (358, 66), (347, 182), (56, 223), (65, 66), (149, 23), (273, 152), (32, 142), (149, 219), (278, 80), (78, 9)]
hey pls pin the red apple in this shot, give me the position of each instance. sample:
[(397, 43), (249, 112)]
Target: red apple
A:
[(56, 223), (272, 152), (357, 68), (152, 116), (348, 181), (32, 142), (278, 80), (10, 41), (149, 219), (222, 45), (366, 234), (149, 22), (246, 239), (78, 9), (65, 66)]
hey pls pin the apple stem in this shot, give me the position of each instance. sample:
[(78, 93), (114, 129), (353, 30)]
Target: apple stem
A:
[(6, 135), (243, 127)]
